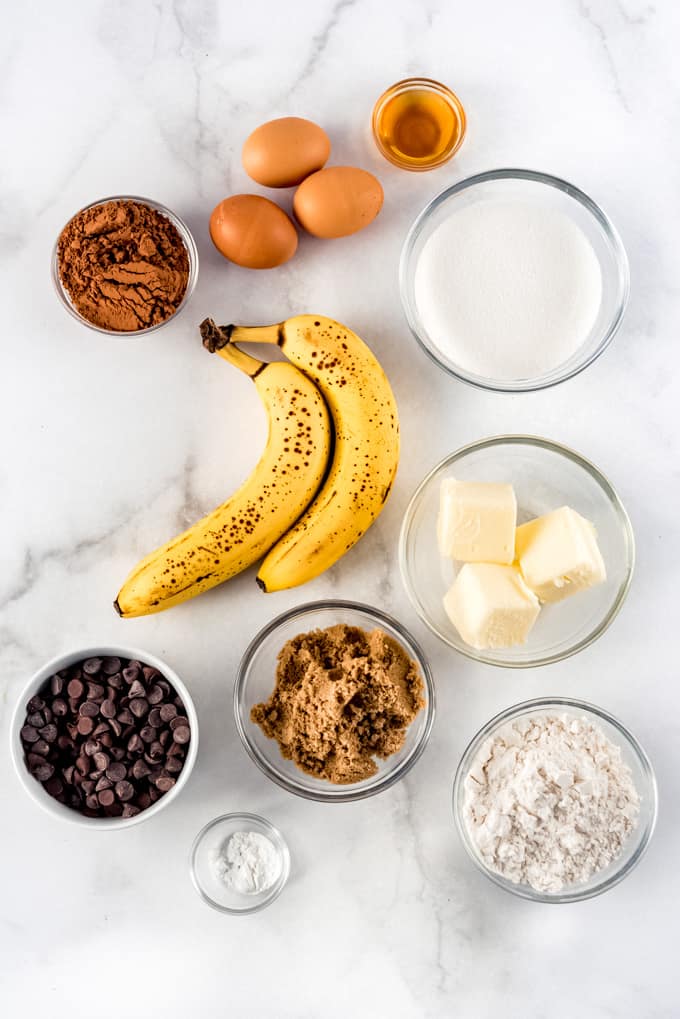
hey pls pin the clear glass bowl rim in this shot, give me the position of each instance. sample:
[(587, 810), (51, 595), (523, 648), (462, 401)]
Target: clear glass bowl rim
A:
[(189, 244), (425, 85), (557, 703), (554, 447), (335, 794), (539, 177), (280, 843)]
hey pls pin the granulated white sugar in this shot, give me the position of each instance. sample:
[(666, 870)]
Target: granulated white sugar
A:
[(508, 290)]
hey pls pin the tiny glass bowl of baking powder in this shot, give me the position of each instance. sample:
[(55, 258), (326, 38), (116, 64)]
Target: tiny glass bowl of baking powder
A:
[(176, 230), (239, 863), (629, 760)]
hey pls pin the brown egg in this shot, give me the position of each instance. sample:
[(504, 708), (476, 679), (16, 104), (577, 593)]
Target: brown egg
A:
[(253, 232), (338, 201), (281, 153)]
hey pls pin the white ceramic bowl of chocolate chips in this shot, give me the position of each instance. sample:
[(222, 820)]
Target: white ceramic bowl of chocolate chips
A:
[(104, 737)]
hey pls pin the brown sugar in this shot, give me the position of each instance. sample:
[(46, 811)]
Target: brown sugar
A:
[(124, 265), (342, 698)]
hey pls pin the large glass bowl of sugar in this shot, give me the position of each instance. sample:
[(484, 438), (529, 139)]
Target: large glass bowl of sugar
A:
[(513, 280)]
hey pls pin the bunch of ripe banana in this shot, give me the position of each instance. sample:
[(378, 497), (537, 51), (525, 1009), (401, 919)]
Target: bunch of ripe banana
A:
[(324, 477)]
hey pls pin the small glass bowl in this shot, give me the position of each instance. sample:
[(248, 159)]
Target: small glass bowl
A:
[(419, 86), (633, 755), (189, 244), (554, 194), (255, 683), (546, 476), (202, 864)]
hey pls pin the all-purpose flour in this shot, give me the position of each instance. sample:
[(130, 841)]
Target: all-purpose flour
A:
[(549, 801), (508, 290)]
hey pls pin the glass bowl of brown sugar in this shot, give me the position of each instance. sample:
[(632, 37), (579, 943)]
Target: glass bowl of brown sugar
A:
[(124, 265), (334, 701)]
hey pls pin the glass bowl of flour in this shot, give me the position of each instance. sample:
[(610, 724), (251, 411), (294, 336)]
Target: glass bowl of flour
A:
[(555, 800), (545, 475), (513, 280)]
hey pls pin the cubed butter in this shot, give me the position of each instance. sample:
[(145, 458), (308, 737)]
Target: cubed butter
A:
[(491, 606), (558, 554), (477, 521)]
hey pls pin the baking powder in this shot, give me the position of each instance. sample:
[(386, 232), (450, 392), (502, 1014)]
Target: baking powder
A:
[(248, 862), (549, 801)]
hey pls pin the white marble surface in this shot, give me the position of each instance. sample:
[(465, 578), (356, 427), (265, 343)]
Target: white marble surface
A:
[(110, 446)]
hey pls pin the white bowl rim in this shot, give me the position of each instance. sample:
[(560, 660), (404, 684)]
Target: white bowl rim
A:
[(599, 477), (35, 789)]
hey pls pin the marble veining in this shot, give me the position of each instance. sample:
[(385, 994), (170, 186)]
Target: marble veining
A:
[(110, 447)]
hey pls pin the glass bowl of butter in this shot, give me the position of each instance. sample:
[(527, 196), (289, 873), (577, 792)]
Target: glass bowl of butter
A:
[(516, 551)]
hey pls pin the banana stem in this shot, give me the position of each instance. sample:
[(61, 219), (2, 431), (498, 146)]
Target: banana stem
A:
[(217, 339), (255, 334)]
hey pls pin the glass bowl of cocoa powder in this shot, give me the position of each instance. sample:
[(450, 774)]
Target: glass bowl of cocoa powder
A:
[(334, 701), (124, 265)]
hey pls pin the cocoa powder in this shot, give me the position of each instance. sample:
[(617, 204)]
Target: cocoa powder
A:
[(124, 265)]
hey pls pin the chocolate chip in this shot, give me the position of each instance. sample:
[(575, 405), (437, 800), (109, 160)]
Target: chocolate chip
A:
[(179, 720), (59, 707), (75, 689), (42, 747), (125, 791), (108, 708), (54, 786), (106, 797), (36, 703), (130, 674), (116, 727), (56, 684), (139, 707), (135, 743), (89, 709), (85, 726), (92, 802), (116, 771), (95, 692), (130, 810), (154, 718), (137, 689), (182, 734), (168, 712), (87, 785), (155, 694), (144, 800), (140, 769), (125, 717), (49, 732), (110, 665), (83, 764), (165, 783), (100, 729), (67, 772), (43, 772), (29, 734), (36, 719), (115, 682), (150, 674), (101, 760), (91, 666), (103, 783), (155, 751), (106, 739), (165, 737), (174, 765), (148, 733)]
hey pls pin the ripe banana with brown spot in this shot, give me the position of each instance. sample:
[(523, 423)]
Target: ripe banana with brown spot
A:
[(366, 451), (241, 530)]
